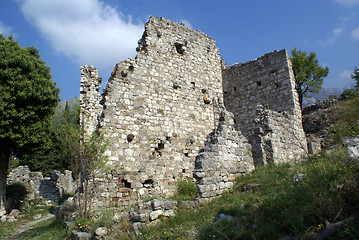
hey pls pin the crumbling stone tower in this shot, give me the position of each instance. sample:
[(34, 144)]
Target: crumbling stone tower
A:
[(164, 116), (261, 94)]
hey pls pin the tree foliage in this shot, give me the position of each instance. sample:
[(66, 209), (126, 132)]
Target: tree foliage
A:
[(355, 76), (65, 120), (308, 73), (28, 98)]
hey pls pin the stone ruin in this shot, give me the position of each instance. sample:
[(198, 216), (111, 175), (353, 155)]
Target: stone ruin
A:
[(51, 188), (177, 111)]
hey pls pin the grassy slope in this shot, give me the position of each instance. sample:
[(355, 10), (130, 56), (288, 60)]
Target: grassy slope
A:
[(280, 207)]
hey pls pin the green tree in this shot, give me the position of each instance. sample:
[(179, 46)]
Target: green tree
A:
[(355, 76), (28, 98), (308, 74), (66, 119)]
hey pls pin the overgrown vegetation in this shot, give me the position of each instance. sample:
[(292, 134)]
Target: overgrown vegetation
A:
[(50, 229), (285, 200), (186, 190), (269, 204), (348, 120), (105, 219), (65, 124)]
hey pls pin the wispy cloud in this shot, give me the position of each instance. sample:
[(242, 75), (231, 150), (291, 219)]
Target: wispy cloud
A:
[(5, 30), (88, 31), (355, 34), (332, 37), (186, 23), (345, 75), (348, 3)]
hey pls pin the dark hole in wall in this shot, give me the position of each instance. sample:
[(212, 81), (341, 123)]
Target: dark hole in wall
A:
[(234, 88), (131, 68), (160, 146), (186, 154), (180, 48), (184, 170), (130, 138), (193, 84), (148, 182), (259, 83), (125, 183)]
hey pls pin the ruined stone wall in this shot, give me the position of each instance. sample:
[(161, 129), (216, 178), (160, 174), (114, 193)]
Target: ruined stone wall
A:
[(261, 94), (226, 156), (160, 113), (90, 107), (158, 110), (51, 188)]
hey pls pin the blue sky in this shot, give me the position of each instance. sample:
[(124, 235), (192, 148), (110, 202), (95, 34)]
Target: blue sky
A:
[(71, 33)]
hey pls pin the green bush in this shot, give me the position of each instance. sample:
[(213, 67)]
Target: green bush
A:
[(186, 190), (348, 94)]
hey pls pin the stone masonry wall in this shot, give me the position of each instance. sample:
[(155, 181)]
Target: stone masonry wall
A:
[(261, 94), (49, 188), (90, 107), (158, 110), (159, 113), (226, 156)]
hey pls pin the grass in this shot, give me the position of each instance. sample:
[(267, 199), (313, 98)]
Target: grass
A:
[(46, 230), (277, 207), (347, 116)]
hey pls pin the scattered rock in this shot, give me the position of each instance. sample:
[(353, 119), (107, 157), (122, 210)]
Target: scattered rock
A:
[(37, 216), (298, 177), (11, 219), (75, 235), (136, 227), (3, 219), (224, 217), (169, 213), (14, 212), (155, 214), (251, 187), (101, 231), (352, 146)]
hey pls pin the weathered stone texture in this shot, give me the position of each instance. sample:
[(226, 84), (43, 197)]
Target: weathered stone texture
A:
[(90, 107), (227, 155), (157, 107), (49, 188), (158, 112), (261, 94)]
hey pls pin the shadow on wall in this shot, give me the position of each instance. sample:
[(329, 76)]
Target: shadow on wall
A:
[(15, 194)]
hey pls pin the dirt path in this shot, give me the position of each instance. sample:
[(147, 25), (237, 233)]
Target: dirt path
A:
[(24, 227)]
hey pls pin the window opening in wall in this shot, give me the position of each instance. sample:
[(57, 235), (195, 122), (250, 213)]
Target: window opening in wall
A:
[(234, 88), (125, 183), (180, 47), (184, 170), (130, 138), (186, 154), (193, 84), (131, 68)]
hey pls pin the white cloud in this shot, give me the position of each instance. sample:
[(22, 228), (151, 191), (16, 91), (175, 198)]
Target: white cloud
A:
[(5, 30), (186, 23), (355, 34), (348, 3), (345, 75), (332, 37), (89, 31)]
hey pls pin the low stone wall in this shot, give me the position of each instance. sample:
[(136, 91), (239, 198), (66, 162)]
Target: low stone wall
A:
[(51, 188)]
